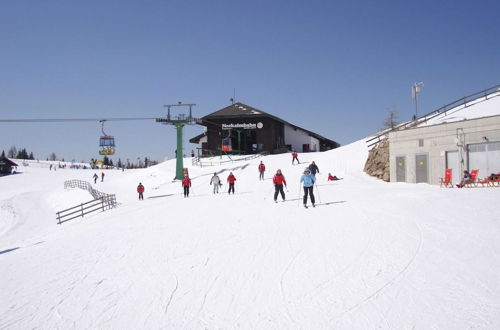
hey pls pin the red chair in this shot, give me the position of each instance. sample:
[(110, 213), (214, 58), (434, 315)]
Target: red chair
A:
[(447, 179)]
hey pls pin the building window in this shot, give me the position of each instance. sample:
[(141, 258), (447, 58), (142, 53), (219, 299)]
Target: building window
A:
[(420, 142)]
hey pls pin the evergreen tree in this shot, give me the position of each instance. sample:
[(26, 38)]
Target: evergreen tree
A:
[(52, 156), (31, 156), (105, 160), (3, 154), (119, 164), (111, 162)]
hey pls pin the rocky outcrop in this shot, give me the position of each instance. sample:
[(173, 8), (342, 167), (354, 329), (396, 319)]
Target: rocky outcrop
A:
[(377, 163)]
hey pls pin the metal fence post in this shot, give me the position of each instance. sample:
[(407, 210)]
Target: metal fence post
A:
[(81, 205)]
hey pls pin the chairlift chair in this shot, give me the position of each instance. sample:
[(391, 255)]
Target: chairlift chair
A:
[(106, 142)]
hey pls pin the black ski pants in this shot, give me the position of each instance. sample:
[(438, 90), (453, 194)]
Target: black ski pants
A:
[(295, 158), (309, 190), (231, 188), (186, 191), (278, 188), (141, 196), (261, 175)]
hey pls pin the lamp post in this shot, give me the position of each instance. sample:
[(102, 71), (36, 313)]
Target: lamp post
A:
[(415, 89)]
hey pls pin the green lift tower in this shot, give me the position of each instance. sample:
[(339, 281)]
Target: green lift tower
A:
[(179, 121)]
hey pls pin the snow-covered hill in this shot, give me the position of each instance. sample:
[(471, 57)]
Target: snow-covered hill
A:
[(371, 255)]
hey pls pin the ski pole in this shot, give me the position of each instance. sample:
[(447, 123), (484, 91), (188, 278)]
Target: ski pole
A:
[(298, 197), (317, 190)]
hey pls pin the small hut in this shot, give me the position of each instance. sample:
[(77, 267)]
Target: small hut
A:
[(6, 166)]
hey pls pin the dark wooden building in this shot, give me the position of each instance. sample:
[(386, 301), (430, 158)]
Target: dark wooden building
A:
[(6, 166), (240, 128)]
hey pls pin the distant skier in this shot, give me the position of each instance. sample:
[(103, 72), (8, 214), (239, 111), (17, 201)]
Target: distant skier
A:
[(332, 177), (216, 182), (102, 176), (279, 181), (262, 169), (95, 177), (186, 183), (192, 153), (295, 157), (313, 168), (231, 179), (140, 190), (308, 180)]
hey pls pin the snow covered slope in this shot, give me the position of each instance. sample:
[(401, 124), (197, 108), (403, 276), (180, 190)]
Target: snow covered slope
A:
[(371, 255)]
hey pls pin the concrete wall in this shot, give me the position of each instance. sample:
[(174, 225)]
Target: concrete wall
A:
[(438, 139), (297, 137)]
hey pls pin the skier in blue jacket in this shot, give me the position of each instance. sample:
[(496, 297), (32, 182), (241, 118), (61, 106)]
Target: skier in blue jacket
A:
[(308, 180)]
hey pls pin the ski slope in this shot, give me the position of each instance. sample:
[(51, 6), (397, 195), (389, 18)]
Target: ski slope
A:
[(371, 255)]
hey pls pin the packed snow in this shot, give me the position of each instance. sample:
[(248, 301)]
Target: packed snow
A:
[(483, 106), (370, 255)]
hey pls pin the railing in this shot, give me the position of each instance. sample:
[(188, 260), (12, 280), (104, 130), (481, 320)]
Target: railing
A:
[(102, 201), (455, 105), (199, 161), (100, 204)]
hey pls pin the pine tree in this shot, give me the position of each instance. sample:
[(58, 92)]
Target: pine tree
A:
[(392, 118), (3, 154), (105, 161), (119, 164), (52, 156), (31, 156)]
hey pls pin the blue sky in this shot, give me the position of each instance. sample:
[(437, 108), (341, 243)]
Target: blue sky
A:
[(333, 67)]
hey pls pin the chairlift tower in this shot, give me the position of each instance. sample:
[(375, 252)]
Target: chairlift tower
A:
[(179, 121)]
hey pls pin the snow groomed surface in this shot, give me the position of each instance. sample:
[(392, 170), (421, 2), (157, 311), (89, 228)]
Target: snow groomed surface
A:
[(371, 255)]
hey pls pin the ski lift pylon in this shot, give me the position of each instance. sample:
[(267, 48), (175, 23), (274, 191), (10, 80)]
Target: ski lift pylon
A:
[(106, 142)]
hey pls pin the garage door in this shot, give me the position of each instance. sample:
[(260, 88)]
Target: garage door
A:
[(484, 157)]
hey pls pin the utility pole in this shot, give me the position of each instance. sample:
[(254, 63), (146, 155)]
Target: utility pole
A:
[(415, 89)]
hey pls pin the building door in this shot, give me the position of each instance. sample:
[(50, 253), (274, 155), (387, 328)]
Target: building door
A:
[(484, 157), (421, 168), (401, 169), (453, 162)]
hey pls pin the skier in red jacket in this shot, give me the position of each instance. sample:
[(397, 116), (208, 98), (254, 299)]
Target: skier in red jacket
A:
[(186, 183), (279, 181), (140, 190), (294, 155), (231, 179), (262, 169)]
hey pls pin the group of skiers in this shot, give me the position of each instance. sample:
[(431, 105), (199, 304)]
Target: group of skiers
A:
[(308, 180), (97, 177)]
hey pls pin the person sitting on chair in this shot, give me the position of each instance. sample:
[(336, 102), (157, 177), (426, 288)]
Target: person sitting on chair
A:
[(465, 178)]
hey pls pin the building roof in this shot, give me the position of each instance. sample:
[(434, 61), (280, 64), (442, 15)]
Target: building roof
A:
[(245, 111), (5, 161)]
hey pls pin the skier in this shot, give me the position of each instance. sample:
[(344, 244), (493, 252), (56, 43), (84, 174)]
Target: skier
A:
[(140, 190), (332, 177), (95, 177), (279, 180), (313, 168), (231, 179), (308, 182), (216, 182), (262, 169), (186, 183), (102, 176), (294, 155)]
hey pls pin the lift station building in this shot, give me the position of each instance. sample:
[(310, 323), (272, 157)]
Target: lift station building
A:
[(242, 129)]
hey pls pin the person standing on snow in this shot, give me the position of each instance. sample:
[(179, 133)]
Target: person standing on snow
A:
[(262, 169), (231, 179), (279, 181), (102, 176), (308, 180), (216, 182), (294, 155), (95, 177), (186, 183), (313, 168), (140, 190)]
